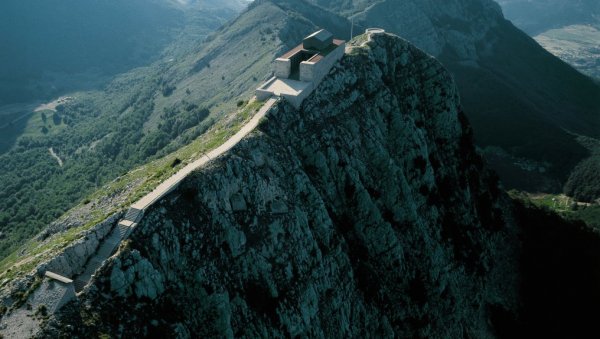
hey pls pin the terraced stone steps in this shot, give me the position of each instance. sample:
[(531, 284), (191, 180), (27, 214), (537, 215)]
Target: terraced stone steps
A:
[(110, 243), (133, 215), (106, 249)]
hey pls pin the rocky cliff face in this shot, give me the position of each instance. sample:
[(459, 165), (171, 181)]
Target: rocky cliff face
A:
[(365, 213), (520, 99)]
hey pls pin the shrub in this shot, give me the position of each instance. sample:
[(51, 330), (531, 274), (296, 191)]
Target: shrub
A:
[(584, 182), (175, 162), (56, 119), (42, 310), (168, 90)]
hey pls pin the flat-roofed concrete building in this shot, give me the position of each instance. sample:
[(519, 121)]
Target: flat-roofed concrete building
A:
[(299, 71)]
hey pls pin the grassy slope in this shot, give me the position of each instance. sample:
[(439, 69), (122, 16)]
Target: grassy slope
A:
[(217, 74), (565, 206), (123, 191), (99, 138)]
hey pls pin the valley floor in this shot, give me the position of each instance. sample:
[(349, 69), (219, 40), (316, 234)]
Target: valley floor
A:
[(578, 45)]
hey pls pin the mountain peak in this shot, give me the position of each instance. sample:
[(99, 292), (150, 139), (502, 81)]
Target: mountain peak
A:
[(361, 202)]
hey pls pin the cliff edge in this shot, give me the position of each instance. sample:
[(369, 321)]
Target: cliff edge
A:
[(366, 212)]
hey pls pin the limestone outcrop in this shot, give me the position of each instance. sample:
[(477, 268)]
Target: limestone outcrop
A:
[(72, 260), (365, 213)]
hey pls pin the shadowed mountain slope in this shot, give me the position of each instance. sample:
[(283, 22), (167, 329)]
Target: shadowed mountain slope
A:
[(525, 104), (365, 212)]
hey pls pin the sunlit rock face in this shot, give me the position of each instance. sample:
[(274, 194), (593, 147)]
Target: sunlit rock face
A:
[(366, 212)]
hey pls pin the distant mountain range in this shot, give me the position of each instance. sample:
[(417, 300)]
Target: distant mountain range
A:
[(538, 16), (52, 46)]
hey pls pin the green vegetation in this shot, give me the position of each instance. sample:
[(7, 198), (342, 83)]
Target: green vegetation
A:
[(146, 178), (584, 182), (101, 135), (565, 206), (359, 40), (20, 297), (95, 149), (41, 311)]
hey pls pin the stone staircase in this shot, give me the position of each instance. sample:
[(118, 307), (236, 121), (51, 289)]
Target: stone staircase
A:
[(108, 247), (134, 215), (22, 323)]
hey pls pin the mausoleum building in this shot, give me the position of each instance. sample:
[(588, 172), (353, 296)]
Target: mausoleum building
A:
[(298, 72)]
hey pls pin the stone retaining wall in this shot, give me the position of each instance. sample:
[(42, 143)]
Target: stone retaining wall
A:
[(72, 260), (315, 72)]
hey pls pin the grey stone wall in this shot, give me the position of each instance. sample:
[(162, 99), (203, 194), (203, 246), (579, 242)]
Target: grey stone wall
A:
[(296, 100), (283, 67), (261, 93), (315, 72), (72, 260)]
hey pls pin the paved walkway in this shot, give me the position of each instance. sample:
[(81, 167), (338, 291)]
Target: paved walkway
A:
[(169, 184), (287, 86), (136, 212), (52, 294), (22, 323)]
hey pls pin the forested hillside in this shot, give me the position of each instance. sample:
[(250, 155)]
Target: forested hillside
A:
[(45, 44), (100, 134), (144, 114)]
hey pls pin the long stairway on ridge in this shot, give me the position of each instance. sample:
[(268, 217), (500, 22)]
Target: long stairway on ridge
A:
[(110, 244), (108, 247)]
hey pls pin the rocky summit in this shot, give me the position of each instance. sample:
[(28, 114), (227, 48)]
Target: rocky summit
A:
[(365, 213)]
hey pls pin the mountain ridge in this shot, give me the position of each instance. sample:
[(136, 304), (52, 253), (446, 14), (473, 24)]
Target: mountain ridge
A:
[(374, 173), (440, 176), (518, 97)]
